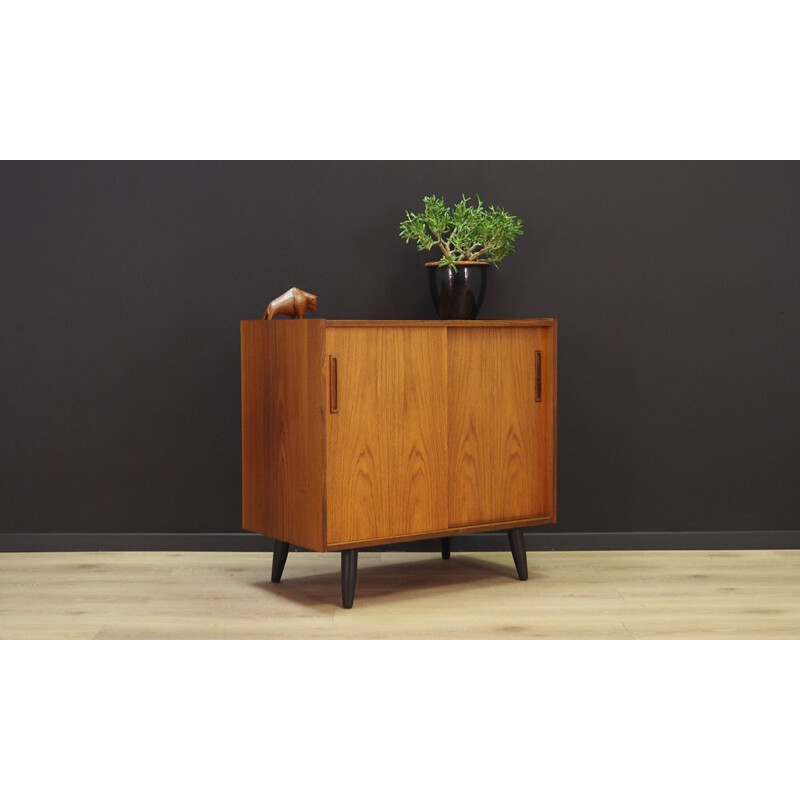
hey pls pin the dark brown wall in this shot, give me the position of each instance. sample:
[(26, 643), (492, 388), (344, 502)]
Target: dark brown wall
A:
[(676, 287)]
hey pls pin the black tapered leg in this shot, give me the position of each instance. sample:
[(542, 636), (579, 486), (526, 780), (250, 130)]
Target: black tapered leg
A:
[(279, 553), (516, 538), (445, 547), (349, 571)]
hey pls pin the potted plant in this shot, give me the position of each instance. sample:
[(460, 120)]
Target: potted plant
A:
[(471, 239)]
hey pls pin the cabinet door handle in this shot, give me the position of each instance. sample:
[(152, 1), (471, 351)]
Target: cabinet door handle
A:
[(334, 385), (538, 376)]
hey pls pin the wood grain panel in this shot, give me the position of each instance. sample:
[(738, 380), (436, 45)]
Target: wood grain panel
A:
[(283, 430), (500, 439), (387, 444)]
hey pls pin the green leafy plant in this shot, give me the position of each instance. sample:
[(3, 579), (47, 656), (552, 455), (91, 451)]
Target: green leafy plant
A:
[(464, 232)]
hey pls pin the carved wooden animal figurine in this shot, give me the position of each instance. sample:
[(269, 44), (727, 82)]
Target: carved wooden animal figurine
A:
[(294, 303)]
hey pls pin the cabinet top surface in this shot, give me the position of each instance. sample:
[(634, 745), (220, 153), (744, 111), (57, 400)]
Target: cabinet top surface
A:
[(404, 323)]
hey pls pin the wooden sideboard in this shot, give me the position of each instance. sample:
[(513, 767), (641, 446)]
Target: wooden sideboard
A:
[(359, 433)]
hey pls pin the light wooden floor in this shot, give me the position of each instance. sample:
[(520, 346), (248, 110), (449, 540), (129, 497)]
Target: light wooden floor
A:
[(569, 595)]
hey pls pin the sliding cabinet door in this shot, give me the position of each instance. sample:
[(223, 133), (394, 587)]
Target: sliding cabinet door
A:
[(386, 432), (501, 423)]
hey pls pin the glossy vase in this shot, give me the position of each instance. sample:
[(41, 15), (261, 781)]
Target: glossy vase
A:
[(458, 294)]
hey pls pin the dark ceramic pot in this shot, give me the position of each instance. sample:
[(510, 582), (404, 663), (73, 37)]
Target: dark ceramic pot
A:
[(458, 295)]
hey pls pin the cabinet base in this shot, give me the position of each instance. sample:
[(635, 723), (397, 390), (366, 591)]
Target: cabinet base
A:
[(516, 540)]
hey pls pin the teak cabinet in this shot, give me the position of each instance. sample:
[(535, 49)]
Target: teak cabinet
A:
[(358, 433)]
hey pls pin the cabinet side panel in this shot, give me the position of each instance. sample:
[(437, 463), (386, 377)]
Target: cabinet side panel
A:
[(387, 442), (282, 430)]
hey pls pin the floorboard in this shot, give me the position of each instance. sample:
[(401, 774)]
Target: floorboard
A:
[(747, 594)]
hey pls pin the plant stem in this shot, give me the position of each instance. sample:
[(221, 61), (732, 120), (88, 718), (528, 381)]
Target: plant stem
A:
[(442, 245)]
